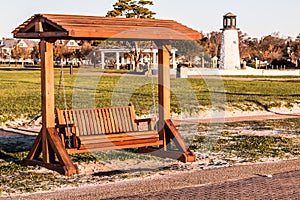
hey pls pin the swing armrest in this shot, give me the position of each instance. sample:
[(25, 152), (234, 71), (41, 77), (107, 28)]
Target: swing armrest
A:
[(65, 125), (143, 120), (68, 129), (148, 120)]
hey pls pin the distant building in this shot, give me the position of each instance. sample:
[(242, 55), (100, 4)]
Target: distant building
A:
[(13, 50), (68, 44), (7, 45), (29, 44), (230, 54)]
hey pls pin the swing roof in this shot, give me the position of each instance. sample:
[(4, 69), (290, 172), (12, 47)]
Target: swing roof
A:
[(61, 26)]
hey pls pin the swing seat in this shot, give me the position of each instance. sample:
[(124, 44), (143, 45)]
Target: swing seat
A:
[(96, 129)]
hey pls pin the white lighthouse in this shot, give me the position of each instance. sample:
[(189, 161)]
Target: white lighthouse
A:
[(230, 54)]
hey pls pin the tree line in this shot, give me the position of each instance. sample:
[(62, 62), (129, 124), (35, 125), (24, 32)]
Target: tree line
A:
[(272, 48)]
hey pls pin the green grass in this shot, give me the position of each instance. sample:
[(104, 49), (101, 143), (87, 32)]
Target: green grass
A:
[(20, 92), (253, 147)]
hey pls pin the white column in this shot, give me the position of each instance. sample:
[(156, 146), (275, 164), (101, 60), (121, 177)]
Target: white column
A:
[(102, 60), (117, 57), (123, 60), (142, 59), (173, 59), (154, 59), (117, 60)]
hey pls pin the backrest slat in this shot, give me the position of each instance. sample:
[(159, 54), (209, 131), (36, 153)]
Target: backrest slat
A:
[(76, 120), (96, 121), (114, 120), (124, 119), (89, 120), (118, 118), (132, 118), (120, 121), (108, 120), (83, 122), (93, 124), (105, 121), (60, 117), (99, 114)]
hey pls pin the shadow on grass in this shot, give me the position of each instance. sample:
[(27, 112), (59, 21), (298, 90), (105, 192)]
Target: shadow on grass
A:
[(8, 157), (14, 148), (252, 94), (125, 172), (266, 108)]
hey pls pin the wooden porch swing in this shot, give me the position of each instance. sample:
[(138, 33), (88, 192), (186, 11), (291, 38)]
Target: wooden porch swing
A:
[(101, 128)]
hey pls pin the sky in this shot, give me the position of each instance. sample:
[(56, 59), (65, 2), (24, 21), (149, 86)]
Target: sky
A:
[(257, 18)]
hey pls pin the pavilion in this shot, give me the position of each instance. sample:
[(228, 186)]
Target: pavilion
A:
[(51, 27)]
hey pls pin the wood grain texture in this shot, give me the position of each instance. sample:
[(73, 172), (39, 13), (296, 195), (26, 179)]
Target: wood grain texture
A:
[(95, 121), (97, 27), (106, 127)]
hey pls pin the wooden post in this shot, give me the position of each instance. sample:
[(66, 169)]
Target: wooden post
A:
[(163, 89), (47, 93), (39, 27)]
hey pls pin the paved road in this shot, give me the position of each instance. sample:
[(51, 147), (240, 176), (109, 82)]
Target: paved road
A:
[(280, 186), (237, 182)]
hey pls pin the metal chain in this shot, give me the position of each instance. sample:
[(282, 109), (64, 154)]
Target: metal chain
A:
[(62, 83), (137, 104), (153, 85), (153, 91)]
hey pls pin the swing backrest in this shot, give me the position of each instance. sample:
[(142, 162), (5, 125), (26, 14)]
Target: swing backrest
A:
[(97, 121)]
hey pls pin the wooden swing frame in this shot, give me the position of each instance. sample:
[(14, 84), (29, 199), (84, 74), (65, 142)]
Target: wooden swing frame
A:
[(48, 147)]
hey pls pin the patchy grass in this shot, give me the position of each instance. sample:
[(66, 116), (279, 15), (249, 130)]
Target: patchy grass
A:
[(285, 144), (285, 126), (11, 167), (15, 178), (253, 147), (32, 182)]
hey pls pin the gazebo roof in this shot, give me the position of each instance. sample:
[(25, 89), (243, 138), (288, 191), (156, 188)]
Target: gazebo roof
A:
[(59, 26), (230, 14)]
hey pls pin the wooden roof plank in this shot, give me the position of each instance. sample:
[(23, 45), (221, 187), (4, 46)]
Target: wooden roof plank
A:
[(97, 27)]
